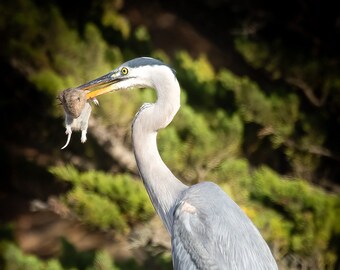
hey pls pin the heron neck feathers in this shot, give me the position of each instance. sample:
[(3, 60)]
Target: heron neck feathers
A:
[(162, 186)]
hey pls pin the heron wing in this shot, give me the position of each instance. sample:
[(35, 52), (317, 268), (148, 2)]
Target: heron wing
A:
[(210, 231), (188, 251)]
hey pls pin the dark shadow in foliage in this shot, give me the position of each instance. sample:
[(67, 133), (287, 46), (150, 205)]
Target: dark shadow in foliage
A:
[(158, 262), (128, 264), (6, 233), (30, 134), (70, 257), (260, 150), (334, 245)]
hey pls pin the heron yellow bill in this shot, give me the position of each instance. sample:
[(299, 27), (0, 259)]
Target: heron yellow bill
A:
[(101, 85), (98, 92)]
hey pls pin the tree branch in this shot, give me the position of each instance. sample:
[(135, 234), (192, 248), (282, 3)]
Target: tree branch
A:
[(308, 91), (313, 149), (113, 145)]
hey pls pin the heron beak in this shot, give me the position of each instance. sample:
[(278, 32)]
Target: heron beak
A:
[(101, 85)]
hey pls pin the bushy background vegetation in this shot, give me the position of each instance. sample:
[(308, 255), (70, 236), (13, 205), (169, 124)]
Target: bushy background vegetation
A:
[(266, 134)]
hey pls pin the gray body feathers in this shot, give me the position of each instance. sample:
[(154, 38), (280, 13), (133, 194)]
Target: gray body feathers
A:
[(210, 231)]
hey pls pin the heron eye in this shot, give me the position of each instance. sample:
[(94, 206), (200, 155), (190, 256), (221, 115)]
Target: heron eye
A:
[(124, 71)]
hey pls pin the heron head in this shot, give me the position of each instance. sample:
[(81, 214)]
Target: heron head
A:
[(136, 73)]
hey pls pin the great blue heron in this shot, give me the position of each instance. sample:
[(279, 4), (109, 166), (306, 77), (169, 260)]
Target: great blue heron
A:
[(208, 229)]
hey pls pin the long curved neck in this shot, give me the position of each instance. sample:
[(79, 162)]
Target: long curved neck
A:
[(162, 186)]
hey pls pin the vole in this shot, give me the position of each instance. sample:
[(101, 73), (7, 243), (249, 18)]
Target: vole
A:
[(77, 109)]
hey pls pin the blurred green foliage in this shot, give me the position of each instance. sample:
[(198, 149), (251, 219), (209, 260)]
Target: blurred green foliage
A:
[(15, 259), (105, 200), (206, 140)]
